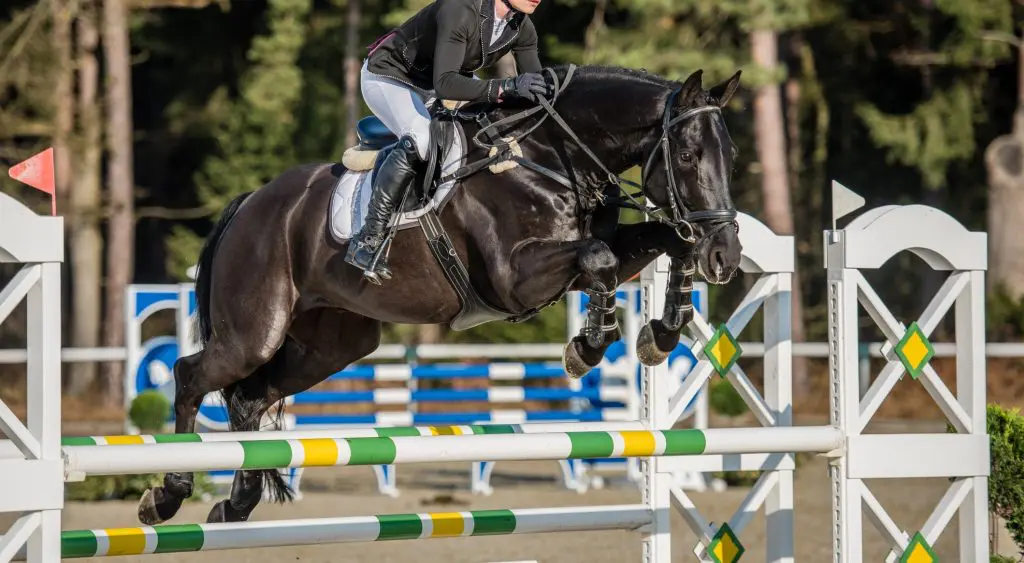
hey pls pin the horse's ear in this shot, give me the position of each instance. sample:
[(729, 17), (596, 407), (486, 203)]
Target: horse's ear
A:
[(691, 87), (723, 92)]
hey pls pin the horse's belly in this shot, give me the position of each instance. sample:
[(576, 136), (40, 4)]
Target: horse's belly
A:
[(418, 292)]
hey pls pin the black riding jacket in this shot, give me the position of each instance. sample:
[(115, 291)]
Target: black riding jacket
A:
[(441, 46)]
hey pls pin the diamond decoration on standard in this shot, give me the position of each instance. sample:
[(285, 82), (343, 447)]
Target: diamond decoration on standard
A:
[(723, 350), (915, 351), (918, 551), (725, 547)]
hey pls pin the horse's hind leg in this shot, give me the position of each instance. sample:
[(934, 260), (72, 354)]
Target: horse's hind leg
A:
[(236, 351), (544, 267), (321, 342)]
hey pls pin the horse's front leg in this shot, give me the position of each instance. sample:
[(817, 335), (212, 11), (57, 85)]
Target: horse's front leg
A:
[(636, 246), (659, 337), (545, 268)]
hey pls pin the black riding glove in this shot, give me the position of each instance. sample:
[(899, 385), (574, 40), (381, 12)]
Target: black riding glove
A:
[(530, 85)]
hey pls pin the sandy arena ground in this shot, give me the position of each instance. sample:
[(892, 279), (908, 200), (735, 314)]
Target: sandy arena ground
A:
[(351, 491)]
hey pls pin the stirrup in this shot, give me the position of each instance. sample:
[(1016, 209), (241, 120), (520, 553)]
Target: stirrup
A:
[(371, 272), (367, 256)]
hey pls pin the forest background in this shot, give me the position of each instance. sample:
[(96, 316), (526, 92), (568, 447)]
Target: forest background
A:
[(162, 110)]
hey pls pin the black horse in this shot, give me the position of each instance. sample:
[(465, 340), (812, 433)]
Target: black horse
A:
[(279, 310)]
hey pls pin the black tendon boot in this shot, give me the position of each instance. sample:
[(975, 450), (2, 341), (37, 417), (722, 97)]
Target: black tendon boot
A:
[(389, 184)]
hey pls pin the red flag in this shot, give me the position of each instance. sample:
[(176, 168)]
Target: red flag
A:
[(37, 171)]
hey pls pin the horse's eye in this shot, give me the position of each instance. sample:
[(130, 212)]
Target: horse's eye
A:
[(687, 156)]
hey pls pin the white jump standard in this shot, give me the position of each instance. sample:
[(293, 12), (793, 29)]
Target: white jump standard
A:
[(33, 480)]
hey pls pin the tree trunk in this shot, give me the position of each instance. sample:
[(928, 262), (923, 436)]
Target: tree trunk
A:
[(78, 375), (594, 30), (352, 68), (1004, 162), (86, 241), (793, 95), (63, 90), (770, 137), (120, 181)]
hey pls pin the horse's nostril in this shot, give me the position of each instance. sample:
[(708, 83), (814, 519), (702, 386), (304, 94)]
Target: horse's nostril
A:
[(718, 260)]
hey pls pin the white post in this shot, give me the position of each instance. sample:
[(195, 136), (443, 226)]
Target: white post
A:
[(778, 394), (970, 384), (654, 396), (132, 348), (44, 385), (844, 399), (188, 343)]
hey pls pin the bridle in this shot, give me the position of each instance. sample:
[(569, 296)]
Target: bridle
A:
[(712, 220), (716, 219)]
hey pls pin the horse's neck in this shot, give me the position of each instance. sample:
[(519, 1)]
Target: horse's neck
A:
[(615, 117)]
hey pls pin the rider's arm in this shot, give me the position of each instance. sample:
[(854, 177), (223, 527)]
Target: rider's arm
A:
[(454, 17), (525, 51)]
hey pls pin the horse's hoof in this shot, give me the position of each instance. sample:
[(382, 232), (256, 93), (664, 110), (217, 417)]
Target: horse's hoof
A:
[(647, 350), (573, 363), (160, 504), (216, 514), (222, 512), (148, 513)]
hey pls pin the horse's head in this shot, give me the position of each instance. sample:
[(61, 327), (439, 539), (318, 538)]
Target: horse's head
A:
[(688, 172)]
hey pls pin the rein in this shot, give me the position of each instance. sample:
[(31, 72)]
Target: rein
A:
[(717, 218)]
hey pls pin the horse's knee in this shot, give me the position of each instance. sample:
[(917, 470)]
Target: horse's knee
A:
[(598, 262)]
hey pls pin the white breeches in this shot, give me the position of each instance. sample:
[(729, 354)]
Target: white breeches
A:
[(399, 108)]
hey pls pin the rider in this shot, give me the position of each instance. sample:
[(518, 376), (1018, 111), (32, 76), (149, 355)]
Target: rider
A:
[(435, 52)]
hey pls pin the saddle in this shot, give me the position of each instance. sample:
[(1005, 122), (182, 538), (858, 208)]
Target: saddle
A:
[(375, 141)]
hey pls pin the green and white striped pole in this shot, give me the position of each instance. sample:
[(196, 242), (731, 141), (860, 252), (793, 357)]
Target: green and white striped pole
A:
[(176, 538), (352, 432), (319, 452)]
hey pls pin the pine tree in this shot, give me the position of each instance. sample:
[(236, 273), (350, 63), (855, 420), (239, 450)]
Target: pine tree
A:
[(945, 46), (257, 131)]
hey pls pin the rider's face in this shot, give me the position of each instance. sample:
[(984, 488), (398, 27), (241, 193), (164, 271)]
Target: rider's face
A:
[(525, 6)]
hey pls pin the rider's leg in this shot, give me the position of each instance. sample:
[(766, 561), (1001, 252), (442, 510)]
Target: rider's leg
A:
[(395, 175), (402, 111)]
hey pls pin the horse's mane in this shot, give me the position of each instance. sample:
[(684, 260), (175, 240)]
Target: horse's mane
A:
[(614, 73), (589, 74)]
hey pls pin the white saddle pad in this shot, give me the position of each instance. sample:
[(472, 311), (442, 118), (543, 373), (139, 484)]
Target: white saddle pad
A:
[(351, 197)]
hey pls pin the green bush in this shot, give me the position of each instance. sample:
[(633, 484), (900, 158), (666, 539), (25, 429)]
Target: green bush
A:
[(149, 411), (724, 400), (1001, 559), (129, 487), (738, 478), (1006, 481)]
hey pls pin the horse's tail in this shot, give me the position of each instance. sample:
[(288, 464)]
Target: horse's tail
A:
[(201, 325), (246, 401)]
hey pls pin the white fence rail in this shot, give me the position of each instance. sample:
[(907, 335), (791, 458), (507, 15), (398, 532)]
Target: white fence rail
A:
[(441, 351)]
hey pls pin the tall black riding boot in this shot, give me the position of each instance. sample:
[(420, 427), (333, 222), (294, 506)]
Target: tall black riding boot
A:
[(389, 184)]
